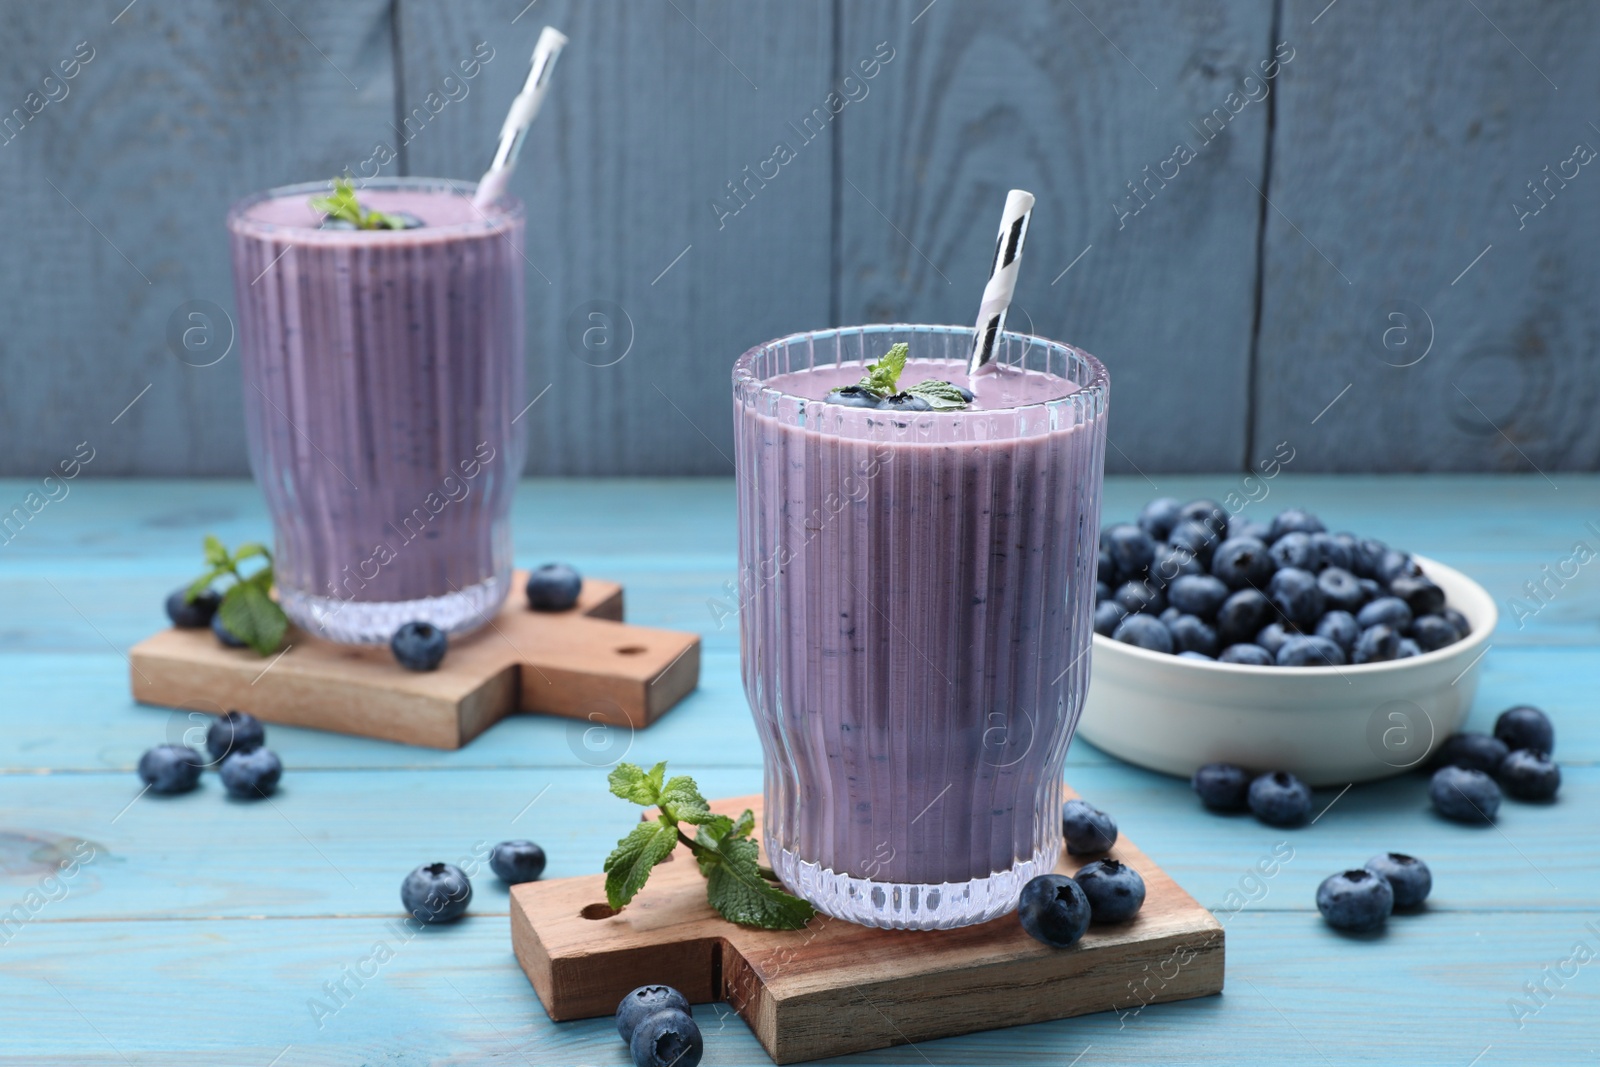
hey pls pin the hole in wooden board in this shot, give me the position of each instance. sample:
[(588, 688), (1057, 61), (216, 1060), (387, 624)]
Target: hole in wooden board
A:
[(597, 911), (631, 650)]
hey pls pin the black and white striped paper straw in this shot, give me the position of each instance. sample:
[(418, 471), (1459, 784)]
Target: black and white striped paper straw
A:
[(1002, 279), (523, 110)]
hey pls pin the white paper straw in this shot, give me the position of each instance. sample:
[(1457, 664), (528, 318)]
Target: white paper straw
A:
[(1002, 279), (523, 110)]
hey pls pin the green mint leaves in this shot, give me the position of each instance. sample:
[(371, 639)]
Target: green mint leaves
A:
[(883, 380), (247, 609), (737, 886), (342, 204)]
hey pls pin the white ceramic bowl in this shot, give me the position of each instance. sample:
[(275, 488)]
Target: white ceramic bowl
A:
[(1329, 725)]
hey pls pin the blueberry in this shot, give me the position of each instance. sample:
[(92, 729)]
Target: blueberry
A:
[(1408, 876), (407, 220), (1108, 614), (1458, 620), (1053, 909), (1222, 786), (171, 768), (419, 646), (904, 402), (252, 774), (1377, 644), (1464, 795), (1146, 631), (516, 862), (237, 731), (1106, 571), (224, 634), (1525, 726), (1368, 557), (1247, 653), (1250, 528), (331, 223), (436, 893), (1190, 653), (1295, 550), (1170, 615), (1333, 550), (1432, 632), (1087, 829), (1280, 799), (1190, 634), (1407, 649), (1396, 565), (1242, 562), (1243, 615), (1475, 751), (1357, 900), (1295, 594), (1528, 774), (1421, 595), (1340, 628), (192, 614), (1131, 549), (1159, 517), (1140, 596), (669, 1038), (1115, 890), (1171, 562), (553, 587), (1294, 520), (1271, 638), (1102, 592), (646, 1001), (1370, 588), (1306, 651), (1341, 590), (1197, 594), (1391, 611), (1198, 538), (1208, 512), (853, 396)]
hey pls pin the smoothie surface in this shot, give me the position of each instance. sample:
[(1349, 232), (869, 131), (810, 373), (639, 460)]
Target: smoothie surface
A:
[(996, 389)]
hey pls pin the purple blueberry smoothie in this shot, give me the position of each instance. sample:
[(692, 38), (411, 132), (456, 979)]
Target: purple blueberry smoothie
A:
[(915, 599), (383, 379)]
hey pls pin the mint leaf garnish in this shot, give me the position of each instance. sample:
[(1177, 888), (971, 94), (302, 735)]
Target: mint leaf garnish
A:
[(737, 886), (883, 380), (342, 204), (247, 608)]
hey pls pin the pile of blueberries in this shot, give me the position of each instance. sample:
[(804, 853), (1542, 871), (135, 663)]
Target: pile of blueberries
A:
[(236, 743), (1188, 579), (1056, 909), (1472, 769), (658, 1025)]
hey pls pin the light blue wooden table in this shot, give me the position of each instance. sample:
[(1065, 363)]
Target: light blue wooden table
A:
[(208, 932)]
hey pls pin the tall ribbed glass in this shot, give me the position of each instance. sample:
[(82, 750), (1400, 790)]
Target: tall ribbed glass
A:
[(916, 591), (383, 378)]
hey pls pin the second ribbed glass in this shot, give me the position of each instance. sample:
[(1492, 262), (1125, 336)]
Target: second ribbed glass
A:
[(916, 592)]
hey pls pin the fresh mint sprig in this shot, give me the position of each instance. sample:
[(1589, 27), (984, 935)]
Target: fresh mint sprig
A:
[(737, 885), (342, 204), (247, 608), (883, 380)]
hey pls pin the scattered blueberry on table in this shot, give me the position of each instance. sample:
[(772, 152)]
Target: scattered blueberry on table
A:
[(171, 768), (224, 634), (645, 1001), (1408, 876), (1279, 799), (1356, 900), (1054, 910), (1525, 726), (515, 862), (193, 614), (436, 893), (1187, 580), (1087, 829), (666, 1039), (419, 646), (235, 731), (251, 774), (1529, 774), (1115, 890), (1474, 751), (553, 587), (1464, 795), (1222, 786)]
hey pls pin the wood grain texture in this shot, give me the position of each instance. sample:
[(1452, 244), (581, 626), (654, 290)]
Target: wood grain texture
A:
[(655, 107), (116, 196), (836, 988), (1397, 162), (1071, 102), (584, 663)]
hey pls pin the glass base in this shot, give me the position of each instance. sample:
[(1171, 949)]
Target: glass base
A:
[(909, 905), (373, 622)]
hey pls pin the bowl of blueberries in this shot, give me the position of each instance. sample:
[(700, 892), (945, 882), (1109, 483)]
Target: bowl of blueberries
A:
[(1219, 638)]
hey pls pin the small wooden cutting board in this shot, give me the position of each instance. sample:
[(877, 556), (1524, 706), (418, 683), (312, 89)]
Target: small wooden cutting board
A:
[(583, 663), (836, 988)]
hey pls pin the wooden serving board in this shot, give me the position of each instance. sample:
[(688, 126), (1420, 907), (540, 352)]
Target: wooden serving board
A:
[(583, 663), (835, 987)]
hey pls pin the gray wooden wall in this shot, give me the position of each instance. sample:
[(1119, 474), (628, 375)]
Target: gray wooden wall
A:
[(1357, 263)]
